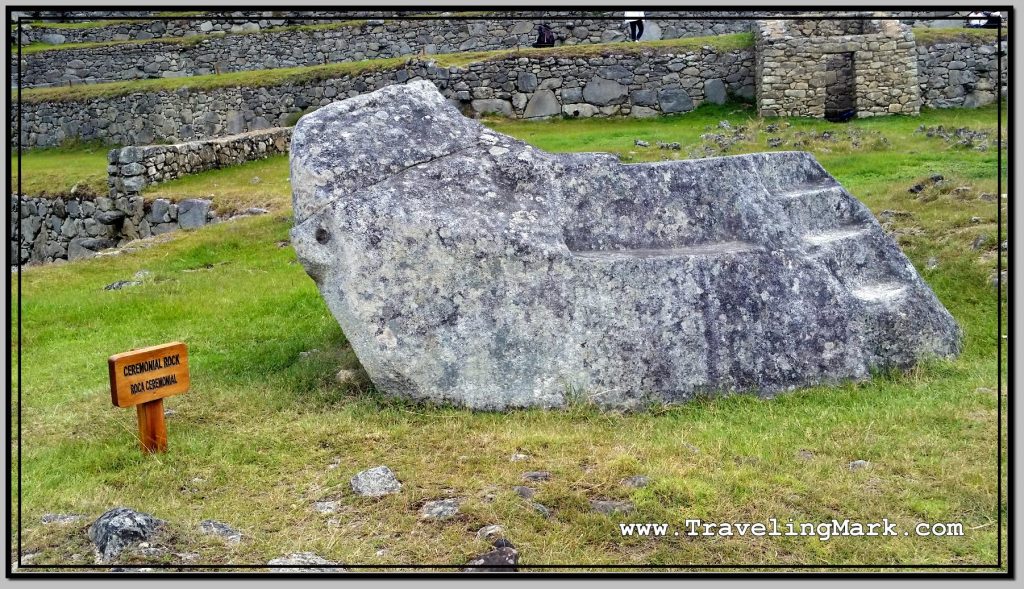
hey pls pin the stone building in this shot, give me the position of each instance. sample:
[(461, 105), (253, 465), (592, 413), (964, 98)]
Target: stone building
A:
[(836, 68)]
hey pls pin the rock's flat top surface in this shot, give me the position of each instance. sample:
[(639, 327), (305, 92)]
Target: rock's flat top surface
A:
[(375, 482), (468, 267)]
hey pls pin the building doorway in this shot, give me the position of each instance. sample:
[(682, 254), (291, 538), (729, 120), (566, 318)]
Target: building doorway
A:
[(840, 95)]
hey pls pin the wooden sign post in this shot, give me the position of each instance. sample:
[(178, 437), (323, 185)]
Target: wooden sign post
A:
[(143, 378)]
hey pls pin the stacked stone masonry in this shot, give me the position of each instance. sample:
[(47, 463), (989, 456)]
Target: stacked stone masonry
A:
[(303, 47), (792, 59), (74, 228), (130, 169), (695, 23), (647, 84), (961, 73)]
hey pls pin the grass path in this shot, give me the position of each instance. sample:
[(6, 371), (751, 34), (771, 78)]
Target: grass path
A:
[(266, 431)]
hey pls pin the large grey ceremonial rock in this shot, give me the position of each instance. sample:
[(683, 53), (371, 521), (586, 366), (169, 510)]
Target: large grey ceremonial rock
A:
[(467, 267)]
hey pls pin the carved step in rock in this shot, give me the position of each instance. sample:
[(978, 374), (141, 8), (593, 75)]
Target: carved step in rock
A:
[(467, 267)]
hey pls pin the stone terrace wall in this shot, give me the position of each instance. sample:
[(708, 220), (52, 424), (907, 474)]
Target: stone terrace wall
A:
[(290, 48), (592, 28), (638, 85), (130, 169), (248, 20), (792, 77), (70, 229), (961, 73)]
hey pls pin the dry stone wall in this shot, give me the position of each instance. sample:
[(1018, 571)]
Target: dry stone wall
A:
[(70, 228), (652, 82), (691, 22), (792, 58), (962, 73), (130, 169), (74, 228), (571, 28), (290, 48)]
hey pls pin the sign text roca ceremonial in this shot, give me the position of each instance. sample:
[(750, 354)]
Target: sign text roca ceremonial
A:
[(142, 378)]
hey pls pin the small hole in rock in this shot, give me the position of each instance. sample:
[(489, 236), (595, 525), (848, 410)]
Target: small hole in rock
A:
[(322, 235)]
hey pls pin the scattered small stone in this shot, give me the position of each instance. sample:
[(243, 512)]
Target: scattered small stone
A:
[(1004, 245), (859, 464), (490, 533), (170, 412), (284, 243), (961, 137), (541, 509), (251, 212), (693, 449), (334, 464), (524, 492), (381, 552), (775, 141), (325, 506), (120, 528), (121, 284), (346, 376), (724, 125), (61, 518), (673, 146), (805, 454), (996, 279), (142, 275), (916, 188), (212, 527), (334, 523), (131, 570), (641, 143), (308, 353), (931, 264), (255, 180), (637, 481), (987, 197), (375, 482), (146, 549), (611, 507), (985, 390), (962, 190), (310, 563), (976, 220), (440, 509), (936, 178), (501, 559), (519, 457), (537, 475), (979, 242), (26, 558)]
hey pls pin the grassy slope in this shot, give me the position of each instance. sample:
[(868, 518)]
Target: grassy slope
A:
[(55, 171), (281, 76), (253, 441)]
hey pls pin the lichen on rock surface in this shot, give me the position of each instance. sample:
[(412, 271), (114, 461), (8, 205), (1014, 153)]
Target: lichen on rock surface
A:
[(468, 267)]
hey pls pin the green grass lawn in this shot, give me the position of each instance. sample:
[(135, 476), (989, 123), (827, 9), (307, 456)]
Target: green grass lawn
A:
[(56, 171), (265, 431)]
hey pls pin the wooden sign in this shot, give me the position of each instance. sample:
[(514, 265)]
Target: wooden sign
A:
[(142, 378)]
